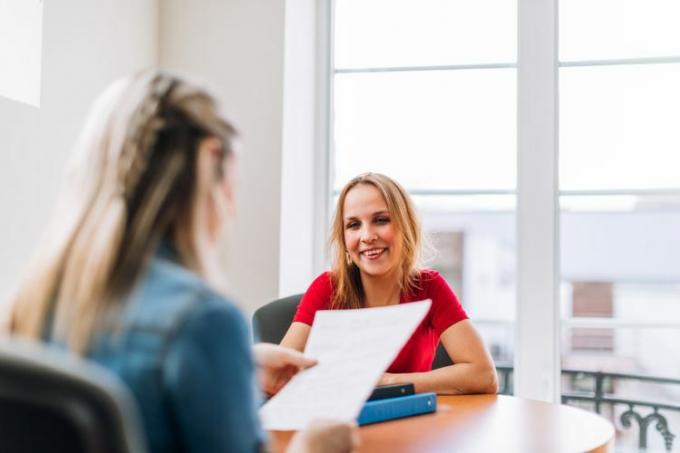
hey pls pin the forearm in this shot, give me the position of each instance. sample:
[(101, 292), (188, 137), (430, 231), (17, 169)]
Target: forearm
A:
[(296, 337), (293, 344), (457, 379)]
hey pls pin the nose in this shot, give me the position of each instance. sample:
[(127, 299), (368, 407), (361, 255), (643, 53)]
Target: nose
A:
[(368, 236)]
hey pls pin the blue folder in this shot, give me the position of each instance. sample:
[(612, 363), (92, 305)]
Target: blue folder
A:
[(398, 407)]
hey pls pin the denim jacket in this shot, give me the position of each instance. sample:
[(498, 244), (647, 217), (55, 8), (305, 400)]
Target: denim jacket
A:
[(185, 352)]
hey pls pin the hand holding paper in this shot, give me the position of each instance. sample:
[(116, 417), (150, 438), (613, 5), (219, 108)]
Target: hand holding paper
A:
[(353, 348), (277, 365)]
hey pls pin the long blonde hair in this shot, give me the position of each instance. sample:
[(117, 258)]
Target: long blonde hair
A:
[(132, 183), (345, 276)]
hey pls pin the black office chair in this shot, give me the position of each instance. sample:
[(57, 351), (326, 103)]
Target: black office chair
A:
[(52, 402), (271, 321), (441, 358)]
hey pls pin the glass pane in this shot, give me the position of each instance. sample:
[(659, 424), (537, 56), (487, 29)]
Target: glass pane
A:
[(620, 203), (599, 204), (435, 205), (474, 249), (433, 130), (645, 356), (619, 127), (389, 33), (605, 29), (620, 305), (641, 246)]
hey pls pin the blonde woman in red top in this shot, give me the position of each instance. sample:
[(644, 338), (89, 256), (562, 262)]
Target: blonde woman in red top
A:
[(376, 239)]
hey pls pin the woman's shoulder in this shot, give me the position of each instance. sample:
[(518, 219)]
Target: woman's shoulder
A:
[(430, 283), (323, 283), (428, 276), (172, 309), (214, 316), (325, 277), (169, 294), (318, 296), (207, 317)]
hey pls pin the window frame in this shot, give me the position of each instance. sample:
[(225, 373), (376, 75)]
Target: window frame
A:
[(537, 364)]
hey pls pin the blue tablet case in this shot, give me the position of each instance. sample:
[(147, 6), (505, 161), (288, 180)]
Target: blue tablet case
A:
[(401, 406)]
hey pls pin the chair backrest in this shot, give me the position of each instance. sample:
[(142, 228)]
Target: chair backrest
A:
[(271, 321), (441, 358), (53, 402)]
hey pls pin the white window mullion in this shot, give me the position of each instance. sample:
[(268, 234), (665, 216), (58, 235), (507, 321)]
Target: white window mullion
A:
[(299, 156), (324, 154), (305, 187), (537, 330)]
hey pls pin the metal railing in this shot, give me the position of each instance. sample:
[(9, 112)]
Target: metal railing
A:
[(599, 396)]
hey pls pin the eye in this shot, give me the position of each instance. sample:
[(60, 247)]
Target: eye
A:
[(352, 225), (381, 220)]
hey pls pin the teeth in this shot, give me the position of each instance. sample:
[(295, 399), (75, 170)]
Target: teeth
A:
[(373, 252)]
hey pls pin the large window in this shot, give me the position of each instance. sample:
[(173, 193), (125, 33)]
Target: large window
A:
[(620, 202), (425, 92)]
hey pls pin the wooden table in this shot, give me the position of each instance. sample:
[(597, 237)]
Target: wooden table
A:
[(486, 423)]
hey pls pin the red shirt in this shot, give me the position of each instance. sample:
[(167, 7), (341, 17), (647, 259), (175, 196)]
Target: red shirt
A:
[(418, 353)]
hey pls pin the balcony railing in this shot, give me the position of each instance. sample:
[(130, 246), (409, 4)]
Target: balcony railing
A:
[(598, 396)]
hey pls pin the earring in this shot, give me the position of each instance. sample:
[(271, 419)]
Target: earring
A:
[(348, 259)]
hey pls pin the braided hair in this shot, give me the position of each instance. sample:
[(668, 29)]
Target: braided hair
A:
[(132, 184)]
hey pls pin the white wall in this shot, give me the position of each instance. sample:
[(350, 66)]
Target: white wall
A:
[(237, 46), (304, 161), (85, 46)]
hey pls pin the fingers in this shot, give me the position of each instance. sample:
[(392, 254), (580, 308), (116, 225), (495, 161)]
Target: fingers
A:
[(284, 377), (275, 356), (355, 437), (326, 437), (296, 358), (262, 353), (278, 365), (281, 378), (344, 437), (273, 380)]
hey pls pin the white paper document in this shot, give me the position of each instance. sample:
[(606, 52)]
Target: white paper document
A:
[(353, 349)]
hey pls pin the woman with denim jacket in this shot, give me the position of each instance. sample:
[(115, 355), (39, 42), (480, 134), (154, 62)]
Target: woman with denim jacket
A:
[(129, 276)]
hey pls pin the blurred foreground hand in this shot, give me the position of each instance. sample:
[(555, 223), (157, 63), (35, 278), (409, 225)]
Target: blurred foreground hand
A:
[(277, 365), (325, 437)]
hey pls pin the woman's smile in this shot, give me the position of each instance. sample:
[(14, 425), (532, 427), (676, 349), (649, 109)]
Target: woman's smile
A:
[(373, 254)]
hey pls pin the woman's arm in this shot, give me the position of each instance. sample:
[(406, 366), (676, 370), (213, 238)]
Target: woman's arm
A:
[(296, 337), (277, 365), (317, 297), (208, 375), (209, 381), (473, 370)]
